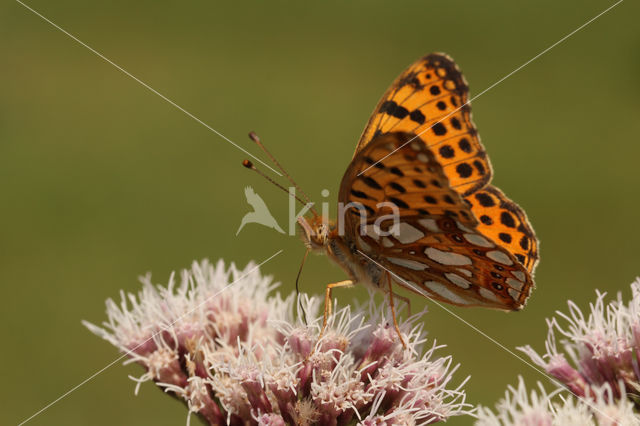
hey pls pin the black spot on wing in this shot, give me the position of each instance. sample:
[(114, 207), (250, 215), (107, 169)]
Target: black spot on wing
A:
[(505, 237), (464, 145), (371, 182), (485, 200), (479, 166), (419, 183), (393, 109), (507, 220), (464, 170), (398, 202), (398, 187), (417, 116), (359, 194), (396, 171), (439, 129), (486, 220), (446, 151)]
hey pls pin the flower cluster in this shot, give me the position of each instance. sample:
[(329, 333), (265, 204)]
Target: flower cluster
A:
[(602, 348), (539, 408), (236, 354), (599, 367)]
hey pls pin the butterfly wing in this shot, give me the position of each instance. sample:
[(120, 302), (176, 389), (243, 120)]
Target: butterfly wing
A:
[(438, 249), (503, 221), (430, 99)]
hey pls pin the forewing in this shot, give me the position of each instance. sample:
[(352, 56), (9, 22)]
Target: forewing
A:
[(430, 99), (436, 249)]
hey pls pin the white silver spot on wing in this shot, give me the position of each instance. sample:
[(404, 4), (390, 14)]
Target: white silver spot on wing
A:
[(463, 228), (363, 244), (429, 225), (465, 272), (457, 280), (515, 284), (406, 233), (386, 242), (519, 275), (422, 157), (416, 146), (499, 257), (371, 231), (444, 292), (408, 263), (488, 294), (416, 288), (478, 240), (515, 295), (446, 257)]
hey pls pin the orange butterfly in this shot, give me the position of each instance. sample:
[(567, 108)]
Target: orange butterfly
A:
[(456, 238)]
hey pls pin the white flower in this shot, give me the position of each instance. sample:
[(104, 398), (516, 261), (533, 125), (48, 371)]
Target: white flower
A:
[(521, 407), (601, 348), (237, 355)]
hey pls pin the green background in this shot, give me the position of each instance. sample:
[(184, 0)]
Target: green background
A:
[(101, 180)]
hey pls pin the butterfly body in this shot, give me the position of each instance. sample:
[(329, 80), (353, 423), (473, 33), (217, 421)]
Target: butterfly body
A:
[(416, 206), (323, 237)]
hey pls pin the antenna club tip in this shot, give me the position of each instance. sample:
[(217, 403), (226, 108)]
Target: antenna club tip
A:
[(254, 137), (248, 164)]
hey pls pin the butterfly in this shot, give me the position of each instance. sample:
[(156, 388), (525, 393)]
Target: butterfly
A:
[(417, 207)]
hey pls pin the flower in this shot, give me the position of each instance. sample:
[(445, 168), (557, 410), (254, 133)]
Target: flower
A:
[(539, 408), (235, 352), (598, 365), (602, 348)]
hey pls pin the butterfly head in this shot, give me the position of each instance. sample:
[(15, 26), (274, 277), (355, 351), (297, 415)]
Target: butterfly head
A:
[(315, 232)]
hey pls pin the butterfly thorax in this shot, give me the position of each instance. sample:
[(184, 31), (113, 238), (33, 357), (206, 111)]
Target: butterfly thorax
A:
[(359, 268)]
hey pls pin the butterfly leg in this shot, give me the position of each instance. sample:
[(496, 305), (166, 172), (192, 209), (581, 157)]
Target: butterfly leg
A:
[(327, 302), (328, 307), (393, 311), (405, 300)]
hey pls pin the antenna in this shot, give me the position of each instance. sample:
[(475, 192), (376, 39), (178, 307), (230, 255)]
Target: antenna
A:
[(249, 165), (254, 137)]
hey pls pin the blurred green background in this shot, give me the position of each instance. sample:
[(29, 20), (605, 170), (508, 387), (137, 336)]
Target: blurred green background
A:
[(101, 180)]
